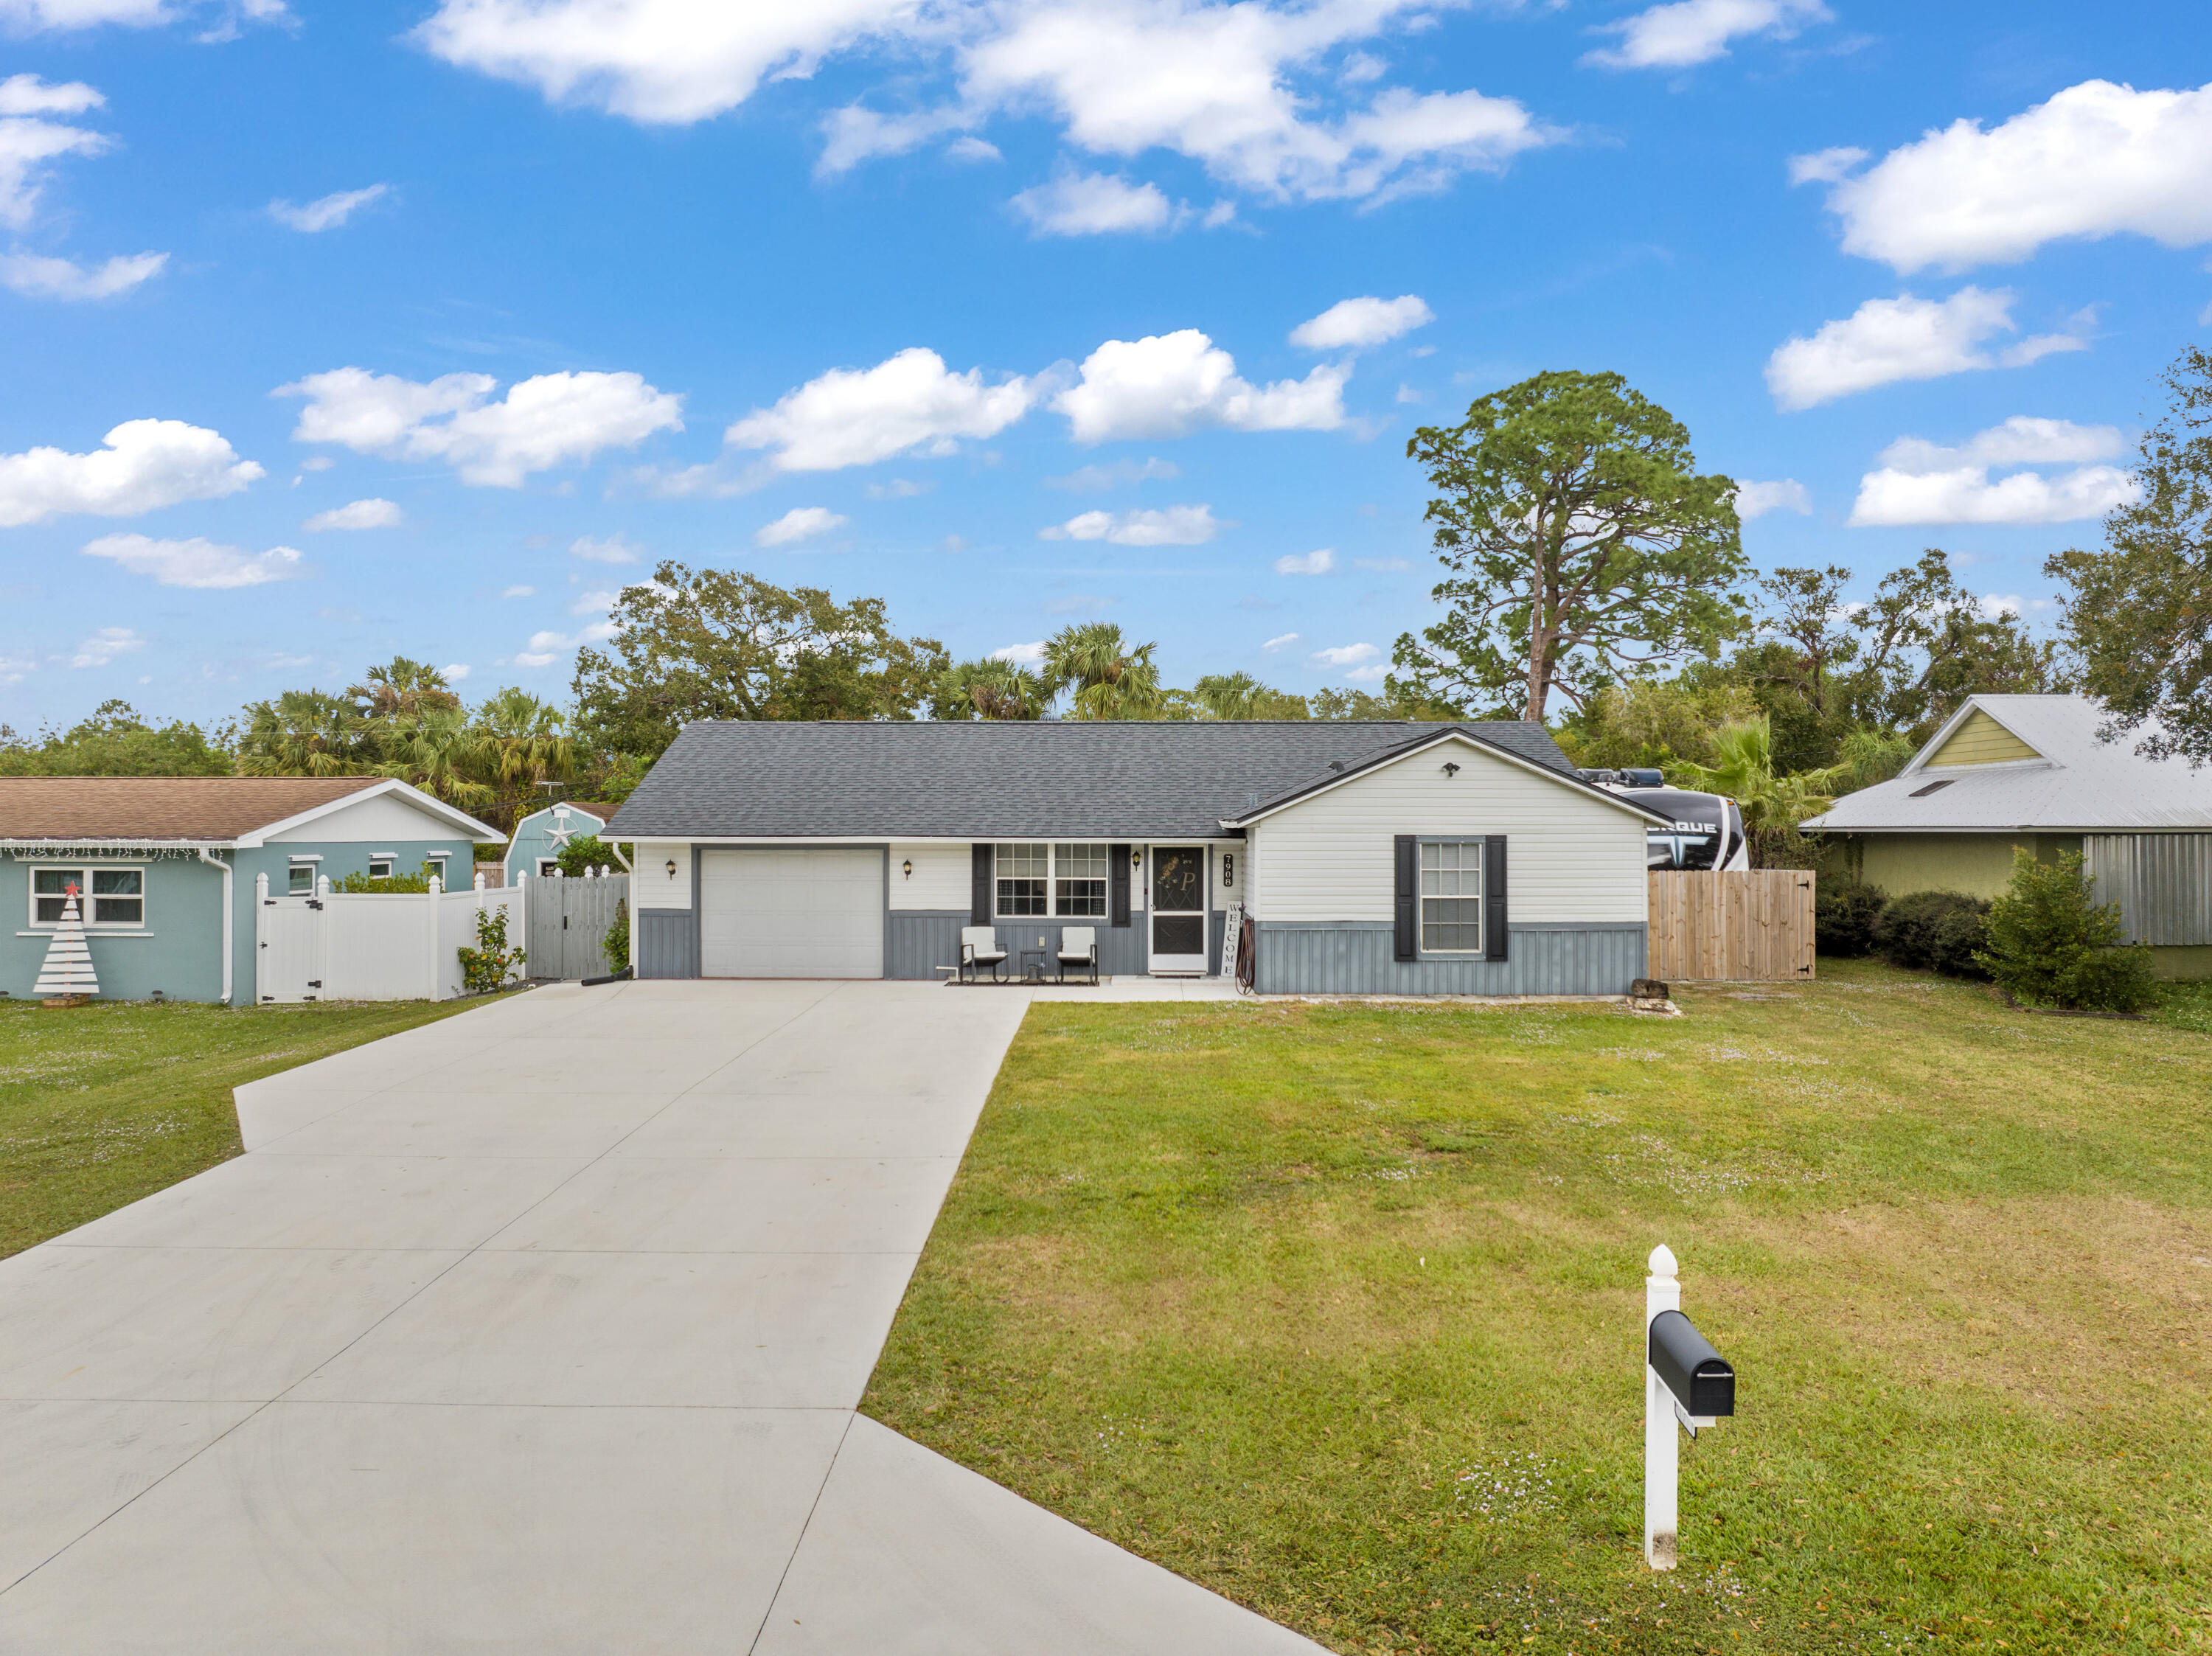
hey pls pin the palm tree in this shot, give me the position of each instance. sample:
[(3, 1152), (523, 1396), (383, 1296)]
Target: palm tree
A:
[(1107, 677), (524, 741), (992, 690), (439, 751), (305, 733), (1772, 805), (402, 688), (1240, 695)]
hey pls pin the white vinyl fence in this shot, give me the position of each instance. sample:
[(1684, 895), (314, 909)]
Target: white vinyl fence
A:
[(341, 945)]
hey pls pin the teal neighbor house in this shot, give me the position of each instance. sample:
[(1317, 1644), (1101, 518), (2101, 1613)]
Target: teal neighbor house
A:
[(541, 836), (168, 866)]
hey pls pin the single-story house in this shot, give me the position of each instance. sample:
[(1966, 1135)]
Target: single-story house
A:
[(2028, 771), (540, 837), (1385, 857), (166, 867)]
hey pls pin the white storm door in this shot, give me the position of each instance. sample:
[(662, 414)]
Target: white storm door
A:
[(772, 913), (1177, 916)]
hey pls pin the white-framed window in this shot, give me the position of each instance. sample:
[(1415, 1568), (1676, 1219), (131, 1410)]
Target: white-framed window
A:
[(113, 898), (1451, 896), (380, 868), (547, 866), (299, 880), (1064, 881), (437, 866)]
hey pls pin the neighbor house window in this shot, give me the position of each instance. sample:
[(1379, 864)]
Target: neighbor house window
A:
[(106, 896), (1451, 896), (380, 868), (437, 867), (301, 882), (1064, 881)]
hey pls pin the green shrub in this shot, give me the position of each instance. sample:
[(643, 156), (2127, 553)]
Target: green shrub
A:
[(1845, 911), (2051, 943), (589, 851), (1932, 931), (617, 942), (486, 968), (358, 884)]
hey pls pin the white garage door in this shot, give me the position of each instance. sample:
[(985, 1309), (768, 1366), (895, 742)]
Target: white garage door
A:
[(791, 913)]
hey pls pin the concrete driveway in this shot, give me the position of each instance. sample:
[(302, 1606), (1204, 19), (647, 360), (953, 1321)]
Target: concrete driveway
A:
[(540, 1330)]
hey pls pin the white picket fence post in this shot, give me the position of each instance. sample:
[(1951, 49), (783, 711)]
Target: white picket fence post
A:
[(1662, 1291), (437, 978)]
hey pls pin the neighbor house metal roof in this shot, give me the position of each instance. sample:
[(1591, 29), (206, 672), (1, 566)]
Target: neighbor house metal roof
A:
[(2076, 784), (985, 779), (161, 808)]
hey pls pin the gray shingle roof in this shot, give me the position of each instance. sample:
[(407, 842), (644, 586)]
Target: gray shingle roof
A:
[(976, 780)]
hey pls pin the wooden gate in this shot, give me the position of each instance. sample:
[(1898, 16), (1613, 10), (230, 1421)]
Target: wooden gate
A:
[(568, 921), (1754, 925)]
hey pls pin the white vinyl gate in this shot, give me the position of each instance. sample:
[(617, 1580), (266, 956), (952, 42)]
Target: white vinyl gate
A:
[(369, 946), (791, 913)]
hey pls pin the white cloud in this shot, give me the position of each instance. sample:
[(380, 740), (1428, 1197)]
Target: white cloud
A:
[(37, 276), (1282, 640), (1166, 384), (1095, 479), (196, 562), (1238, 88), (1382, 566), (1346, 655), (33, 16), (27, 94), (1021, 655), (856, 417), (457, 672), (1092, 204), (898, 489), (1756, 500), (2097, 160), (545, 648), (1351, 323), (801, 523), (1886, 340), (1310, 563), (356, 514), (1368, 675), (593, 603), (145, 464), (106, 645), (28, 145), (520, 593), (1918, 482), (972, 148), (540, 423), (317, 462), (1175, 525), (14, 669), (612, 550), (1697, 31), (1824, 165), (326, 212)]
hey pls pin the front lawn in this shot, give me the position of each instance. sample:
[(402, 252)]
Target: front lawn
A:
[(115, 1100), (1337, 1310)]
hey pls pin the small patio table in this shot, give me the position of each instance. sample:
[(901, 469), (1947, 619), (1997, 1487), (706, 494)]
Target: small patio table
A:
[(1033, 965)]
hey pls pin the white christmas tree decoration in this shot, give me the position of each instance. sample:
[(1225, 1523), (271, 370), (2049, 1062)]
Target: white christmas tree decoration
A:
[(67, 970)]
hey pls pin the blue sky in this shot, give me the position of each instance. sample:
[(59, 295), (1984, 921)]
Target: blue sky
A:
[(908, 300)]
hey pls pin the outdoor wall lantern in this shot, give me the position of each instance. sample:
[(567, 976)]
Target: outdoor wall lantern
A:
[(1136, 859), (906, 867), (1450, 769), (671, 868)]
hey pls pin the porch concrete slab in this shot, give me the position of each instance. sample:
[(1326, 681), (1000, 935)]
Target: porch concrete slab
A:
[(954, 1565), (805, 1125), (267, 1199), (764, 1331), (814, 1204), (373, 1529), (190, 1323), (408, 1122), (68, 1466)]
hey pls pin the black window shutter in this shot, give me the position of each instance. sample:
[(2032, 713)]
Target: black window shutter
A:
[(1407, 913), (979, 906), (1117, 883), (1493, 897)]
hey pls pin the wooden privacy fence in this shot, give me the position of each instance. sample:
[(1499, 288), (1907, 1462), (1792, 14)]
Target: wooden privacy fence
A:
[(1752, 925), (569, 922)]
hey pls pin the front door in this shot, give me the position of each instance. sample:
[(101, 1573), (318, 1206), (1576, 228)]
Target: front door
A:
[(1178, 916)]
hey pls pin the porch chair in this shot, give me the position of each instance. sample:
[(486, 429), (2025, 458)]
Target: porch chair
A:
[(979, 947), (1079, 947)]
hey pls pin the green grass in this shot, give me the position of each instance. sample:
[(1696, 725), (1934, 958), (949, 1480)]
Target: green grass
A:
[(1337, 1310), (113, 1102)]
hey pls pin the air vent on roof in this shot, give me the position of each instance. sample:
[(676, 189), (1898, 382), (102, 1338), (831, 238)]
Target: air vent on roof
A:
[(1336, 764), (1933, 787)]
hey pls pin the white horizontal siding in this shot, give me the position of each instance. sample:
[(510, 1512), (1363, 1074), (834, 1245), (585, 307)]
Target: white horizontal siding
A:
[(652, 886), (943, 878), (1569, 856)]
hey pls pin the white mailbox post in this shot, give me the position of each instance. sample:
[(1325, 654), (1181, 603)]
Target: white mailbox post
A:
[(1685, 1383)]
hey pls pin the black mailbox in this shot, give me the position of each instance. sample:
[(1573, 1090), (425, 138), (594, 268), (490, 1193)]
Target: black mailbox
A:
[(1699, 1376)]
